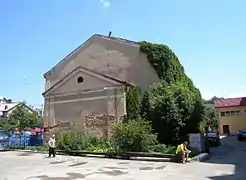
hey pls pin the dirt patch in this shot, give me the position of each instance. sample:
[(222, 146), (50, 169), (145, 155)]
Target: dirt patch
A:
[(57, 162), (147, 168), (71, 176), (26, 153), (78, 164), (109, 167), (160, 167), (112, 173), (123, 163)]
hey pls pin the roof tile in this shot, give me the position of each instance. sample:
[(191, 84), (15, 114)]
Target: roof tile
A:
[(230, 102)]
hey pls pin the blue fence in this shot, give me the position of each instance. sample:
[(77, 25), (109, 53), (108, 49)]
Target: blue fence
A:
[(27, 138)]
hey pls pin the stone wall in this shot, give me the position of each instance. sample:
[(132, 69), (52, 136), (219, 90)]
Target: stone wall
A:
[(100, 124)]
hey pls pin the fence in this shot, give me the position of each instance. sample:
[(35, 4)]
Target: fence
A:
[(24, 139)]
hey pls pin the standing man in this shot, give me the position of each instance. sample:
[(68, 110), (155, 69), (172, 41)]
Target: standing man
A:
[(52, 145)]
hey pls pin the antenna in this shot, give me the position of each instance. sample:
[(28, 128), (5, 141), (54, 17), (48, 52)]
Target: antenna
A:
[(109, 34)]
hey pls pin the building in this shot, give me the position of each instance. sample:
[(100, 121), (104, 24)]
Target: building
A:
[(7, 107), (86, 89), (231, 114)]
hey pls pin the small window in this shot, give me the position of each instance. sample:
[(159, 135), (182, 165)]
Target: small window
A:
[(222, 113), (80, 79), (238, 112), (227, 113)]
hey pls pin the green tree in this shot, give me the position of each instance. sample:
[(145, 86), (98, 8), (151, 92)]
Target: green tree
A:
[(25, 117), (133, 102), (172, 111), (174, 105), (209, 113), (7, 124)]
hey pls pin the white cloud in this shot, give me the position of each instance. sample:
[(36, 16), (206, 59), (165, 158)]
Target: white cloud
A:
[(105, 3)]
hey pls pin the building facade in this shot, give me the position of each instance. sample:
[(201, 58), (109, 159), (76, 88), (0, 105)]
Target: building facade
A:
[(231, 114), (86, 89)]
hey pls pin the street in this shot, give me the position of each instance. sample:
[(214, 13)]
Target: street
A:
[(227, 162)]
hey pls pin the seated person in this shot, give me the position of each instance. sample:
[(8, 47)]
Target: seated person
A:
[(183, 152)]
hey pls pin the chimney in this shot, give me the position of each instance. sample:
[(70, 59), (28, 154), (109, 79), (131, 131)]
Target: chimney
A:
[(109, 34)]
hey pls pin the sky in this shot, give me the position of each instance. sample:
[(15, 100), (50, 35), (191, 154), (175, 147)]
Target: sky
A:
[(209, 37)]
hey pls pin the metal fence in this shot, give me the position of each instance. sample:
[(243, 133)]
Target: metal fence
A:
[(26, 138)]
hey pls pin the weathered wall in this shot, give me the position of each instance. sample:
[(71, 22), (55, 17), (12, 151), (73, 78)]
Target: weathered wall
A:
[(115, 58), (92, 112)]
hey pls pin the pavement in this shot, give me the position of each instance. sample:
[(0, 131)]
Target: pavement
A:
[(227, 163)]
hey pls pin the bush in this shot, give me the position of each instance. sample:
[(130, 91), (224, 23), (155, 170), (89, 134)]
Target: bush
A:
[(162, 148), (70, 141), (134, 136)]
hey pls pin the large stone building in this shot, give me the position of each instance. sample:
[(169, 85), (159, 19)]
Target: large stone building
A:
[(86, 89)]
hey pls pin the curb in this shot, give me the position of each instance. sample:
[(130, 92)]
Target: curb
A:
[(201, 157), (94, 156)]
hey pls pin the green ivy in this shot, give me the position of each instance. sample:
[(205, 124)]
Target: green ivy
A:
[(132, 102), (173, 106), (164, 61)]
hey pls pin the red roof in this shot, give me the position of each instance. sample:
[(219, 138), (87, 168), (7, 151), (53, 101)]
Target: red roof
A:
[(230, 102)]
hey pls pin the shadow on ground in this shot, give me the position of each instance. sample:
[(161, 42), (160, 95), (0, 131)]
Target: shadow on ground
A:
[(230, 152)]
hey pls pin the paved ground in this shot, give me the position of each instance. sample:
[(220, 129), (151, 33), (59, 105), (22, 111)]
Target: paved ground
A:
[(228, 162)]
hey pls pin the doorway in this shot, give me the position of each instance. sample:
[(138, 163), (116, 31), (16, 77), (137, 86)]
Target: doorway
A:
[(226, 129)]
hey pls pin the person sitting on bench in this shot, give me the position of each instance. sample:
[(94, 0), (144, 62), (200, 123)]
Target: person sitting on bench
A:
[(183, 152)]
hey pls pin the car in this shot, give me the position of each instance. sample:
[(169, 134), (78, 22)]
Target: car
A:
[(213, 138), (241, 135)]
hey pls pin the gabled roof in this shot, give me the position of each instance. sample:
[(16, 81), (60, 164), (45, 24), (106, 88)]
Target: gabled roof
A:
[(86, 70), (5, 107), (230, 102), (80, 47)]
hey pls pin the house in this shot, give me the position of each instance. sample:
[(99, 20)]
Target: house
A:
[(7, 108), (231, 114), (86, 89)]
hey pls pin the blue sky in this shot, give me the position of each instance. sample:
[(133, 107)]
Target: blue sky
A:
[(209, 37)]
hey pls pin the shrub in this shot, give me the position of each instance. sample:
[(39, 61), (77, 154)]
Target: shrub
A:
[(70, 141), (134, 136), (162, 148)]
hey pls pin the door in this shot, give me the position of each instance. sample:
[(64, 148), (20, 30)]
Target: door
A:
[(226, 129)]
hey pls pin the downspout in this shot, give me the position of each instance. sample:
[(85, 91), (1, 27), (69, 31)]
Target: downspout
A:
[(115, 105)]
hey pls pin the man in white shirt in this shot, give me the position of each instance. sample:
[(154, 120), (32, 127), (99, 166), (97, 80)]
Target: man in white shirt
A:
[(52, 146)]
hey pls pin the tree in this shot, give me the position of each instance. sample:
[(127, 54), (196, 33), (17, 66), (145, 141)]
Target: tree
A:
[(172, 111), (132, 103), (209, 113), (174, 105), (7, 124), (25, 118), (211, 101)]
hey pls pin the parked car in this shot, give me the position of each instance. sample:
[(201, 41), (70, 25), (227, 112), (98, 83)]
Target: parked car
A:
[(241, 135), (213, 138)]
